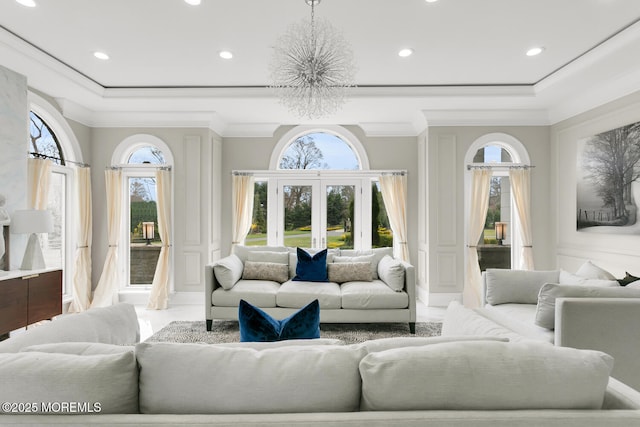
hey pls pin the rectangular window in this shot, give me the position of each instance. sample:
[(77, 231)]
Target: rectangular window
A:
[(258, 234), (144, 241), (381, 234)]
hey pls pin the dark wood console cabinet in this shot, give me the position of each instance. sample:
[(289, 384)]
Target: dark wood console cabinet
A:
[(29, 297)]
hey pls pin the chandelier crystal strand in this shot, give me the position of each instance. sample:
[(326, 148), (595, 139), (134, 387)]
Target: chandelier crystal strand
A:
[(312, 67)]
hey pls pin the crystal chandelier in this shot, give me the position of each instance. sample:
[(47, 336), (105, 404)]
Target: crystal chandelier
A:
[(312, 67)]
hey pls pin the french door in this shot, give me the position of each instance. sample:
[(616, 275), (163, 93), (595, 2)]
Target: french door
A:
[(319, 212)]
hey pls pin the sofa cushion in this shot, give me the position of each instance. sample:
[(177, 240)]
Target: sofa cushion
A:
[(546, 309), (520, 318), (391, 272), (80, 348), (373, 262), (592, 271), (268, 256), (349, 272), (298, 294), (243, 251), (265, 345), (311, 268), (258, 292), (109, 381), (228, 271), (567, 278), (378, 254), (266, 271), (479, 375), (372, 295), (209, 379), (462, 321), (382, 344), (258, 326), (116, 324), (504, 286)]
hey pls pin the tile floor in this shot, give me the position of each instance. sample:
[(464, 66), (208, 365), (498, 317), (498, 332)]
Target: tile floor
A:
[(153, 320)]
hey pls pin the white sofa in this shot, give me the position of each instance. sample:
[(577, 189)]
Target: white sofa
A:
[(586, 310), (349, 302), (437, 381)]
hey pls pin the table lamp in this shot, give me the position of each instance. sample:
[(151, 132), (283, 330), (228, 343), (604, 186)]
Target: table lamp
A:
[(32, 221)]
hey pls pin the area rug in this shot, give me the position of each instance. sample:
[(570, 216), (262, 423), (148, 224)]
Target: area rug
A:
[(227, 331)]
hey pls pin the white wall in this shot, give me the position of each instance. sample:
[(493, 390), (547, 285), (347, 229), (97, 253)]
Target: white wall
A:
[(616, 253), (442, 253), (14, 139)]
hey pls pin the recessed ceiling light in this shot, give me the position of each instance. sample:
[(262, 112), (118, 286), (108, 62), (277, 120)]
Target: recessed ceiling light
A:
[(101, 55), (535, 51), (28, 3), (431, 1), (225, 54), (192, 2), (405, 52)]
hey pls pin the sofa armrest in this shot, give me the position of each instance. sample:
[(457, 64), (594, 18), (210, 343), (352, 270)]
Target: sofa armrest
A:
[(605, 324), (410, 288)]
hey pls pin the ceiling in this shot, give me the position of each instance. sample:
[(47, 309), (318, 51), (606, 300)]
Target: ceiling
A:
[(469, 64)]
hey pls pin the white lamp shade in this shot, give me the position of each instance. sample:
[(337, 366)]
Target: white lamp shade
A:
[(31, 221)]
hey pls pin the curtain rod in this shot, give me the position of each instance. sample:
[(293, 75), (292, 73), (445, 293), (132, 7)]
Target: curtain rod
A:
[(140, 166), (45, 156), (499, 166), (317, 172)]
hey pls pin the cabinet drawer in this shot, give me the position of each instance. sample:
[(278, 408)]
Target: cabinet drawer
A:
[(13, 305), (45, 296)]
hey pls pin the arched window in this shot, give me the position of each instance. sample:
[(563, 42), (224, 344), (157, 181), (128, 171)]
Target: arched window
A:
[(51, 137), (319, 194), (499, 245), (140, 156)]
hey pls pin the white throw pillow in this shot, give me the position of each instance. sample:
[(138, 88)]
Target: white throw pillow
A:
[(567, 278), (378, 254), (228, 271), (592, 271), (110, 380), (391, 272), (633, 285), (208, 379), (546, 309), (484, 375)]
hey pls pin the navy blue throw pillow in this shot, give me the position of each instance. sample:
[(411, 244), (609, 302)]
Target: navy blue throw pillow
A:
[(311, 268), (258, 326)]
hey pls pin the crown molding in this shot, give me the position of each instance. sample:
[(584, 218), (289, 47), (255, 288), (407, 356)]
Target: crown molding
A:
[(487, 117)]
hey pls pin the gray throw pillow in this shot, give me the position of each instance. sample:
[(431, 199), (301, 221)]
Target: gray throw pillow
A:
[(546, 309), (349, 272), (504, 286), (275, 272), (373, 262)]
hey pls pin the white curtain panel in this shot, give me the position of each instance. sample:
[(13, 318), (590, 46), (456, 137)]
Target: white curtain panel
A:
[(39, 171), (394, 194), (159, 297), (521, 189), (105, 293), (242, 207), (479, 203), (82, 268)]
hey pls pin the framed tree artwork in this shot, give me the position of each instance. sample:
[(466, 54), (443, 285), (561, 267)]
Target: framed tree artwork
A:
[(608, 181)]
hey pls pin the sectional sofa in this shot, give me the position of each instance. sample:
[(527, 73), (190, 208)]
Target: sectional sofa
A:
[(588, 309), (385, 295), (437, 381)]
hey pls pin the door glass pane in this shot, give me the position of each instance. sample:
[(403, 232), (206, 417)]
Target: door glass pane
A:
[(340, 216), (53, 243), (494, 249), (144, 243), (297, 215), (258, 234), (381, 234)]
